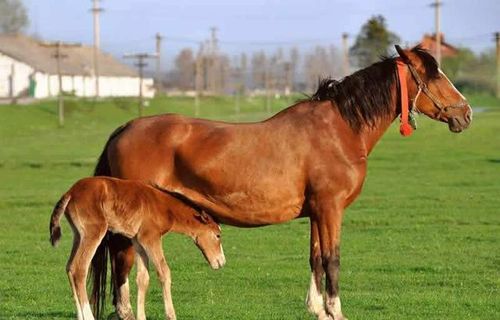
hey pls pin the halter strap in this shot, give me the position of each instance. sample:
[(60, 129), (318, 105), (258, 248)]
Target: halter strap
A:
[(422, 87)]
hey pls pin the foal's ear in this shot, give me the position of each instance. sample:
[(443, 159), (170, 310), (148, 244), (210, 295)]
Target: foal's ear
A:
[(402, 53), (203, 217)]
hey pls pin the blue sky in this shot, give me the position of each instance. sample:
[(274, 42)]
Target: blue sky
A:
[(130, 26)]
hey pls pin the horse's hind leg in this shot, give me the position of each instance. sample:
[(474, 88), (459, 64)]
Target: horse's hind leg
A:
[(142, 280), (77, 267), (152, 246)]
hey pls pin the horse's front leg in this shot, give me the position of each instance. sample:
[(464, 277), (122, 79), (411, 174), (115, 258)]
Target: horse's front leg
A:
[(314, 299), (329, 216), (122, 255)]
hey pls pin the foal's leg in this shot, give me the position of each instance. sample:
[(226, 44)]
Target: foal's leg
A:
[(152, 246), (78, 267), (142, 280), (314, 298), (76, 243), (329, 217)]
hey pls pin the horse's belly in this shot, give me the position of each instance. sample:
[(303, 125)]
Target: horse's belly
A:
[(249, 207)]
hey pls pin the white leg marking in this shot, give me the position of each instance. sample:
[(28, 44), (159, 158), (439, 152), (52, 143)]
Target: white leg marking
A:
[(334, 308), (123, 307), (87, 312), (142, 285), (314, 298), (314, 301)]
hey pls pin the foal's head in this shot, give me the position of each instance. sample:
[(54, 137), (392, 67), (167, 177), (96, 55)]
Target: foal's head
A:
[(438, 98), (207, 236)]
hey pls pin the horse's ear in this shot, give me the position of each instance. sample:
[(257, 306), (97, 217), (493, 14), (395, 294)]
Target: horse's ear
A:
[(203, 217), (402, 54)]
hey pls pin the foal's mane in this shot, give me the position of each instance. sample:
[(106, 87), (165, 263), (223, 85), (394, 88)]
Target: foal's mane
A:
[(367, 95)]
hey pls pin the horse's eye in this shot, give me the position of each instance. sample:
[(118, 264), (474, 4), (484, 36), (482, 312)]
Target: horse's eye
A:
[(218, 236)]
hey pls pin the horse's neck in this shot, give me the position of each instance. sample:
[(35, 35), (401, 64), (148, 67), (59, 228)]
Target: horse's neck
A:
[(370, 136)]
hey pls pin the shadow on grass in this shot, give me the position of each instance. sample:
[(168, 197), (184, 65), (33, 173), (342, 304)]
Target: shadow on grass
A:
[(41, 165), (493, 161), (43, 315)]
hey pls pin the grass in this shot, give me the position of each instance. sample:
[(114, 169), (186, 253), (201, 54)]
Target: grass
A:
[(421, 242)]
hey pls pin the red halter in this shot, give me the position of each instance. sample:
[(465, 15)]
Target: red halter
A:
[(404, 128)]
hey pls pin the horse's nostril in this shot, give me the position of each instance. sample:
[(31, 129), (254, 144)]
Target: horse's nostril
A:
[(468, 116)]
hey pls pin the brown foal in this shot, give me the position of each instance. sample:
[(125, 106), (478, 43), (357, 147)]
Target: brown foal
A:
[(139, 212), (309, 160)]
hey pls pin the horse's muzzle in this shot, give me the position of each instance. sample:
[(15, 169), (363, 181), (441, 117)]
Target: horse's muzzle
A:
[(459, 122), (218, 263)]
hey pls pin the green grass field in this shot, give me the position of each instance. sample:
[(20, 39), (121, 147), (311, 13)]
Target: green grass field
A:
[(421, 242)]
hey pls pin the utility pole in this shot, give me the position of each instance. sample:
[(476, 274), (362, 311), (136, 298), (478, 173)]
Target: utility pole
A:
[(96, 10), (497, 40), (437, 5), (58, 56), (140, 64), (159, 38), (345, 49)]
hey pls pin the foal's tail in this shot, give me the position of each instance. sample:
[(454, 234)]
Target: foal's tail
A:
[(55, 227)]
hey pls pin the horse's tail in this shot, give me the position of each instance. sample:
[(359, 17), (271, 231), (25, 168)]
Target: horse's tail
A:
[(98, 274), (102, 167), (99, 265), (55, 218)]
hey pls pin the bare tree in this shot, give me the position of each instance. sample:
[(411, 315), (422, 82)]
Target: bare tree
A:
[(259, 67), (323, 62), (222, 73), (294, 65), (184, 69), (243, 73), (13, 16)]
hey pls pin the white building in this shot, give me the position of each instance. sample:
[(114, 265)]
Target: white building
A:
[(26, 62)]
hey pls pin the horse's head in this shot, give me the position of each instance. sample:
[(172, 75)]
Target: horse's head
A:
[(435, 95), (207, 237)]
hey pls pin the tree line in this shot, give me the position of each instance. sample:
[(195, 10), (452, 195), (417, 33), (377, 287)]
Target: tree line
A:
[(209, 70)]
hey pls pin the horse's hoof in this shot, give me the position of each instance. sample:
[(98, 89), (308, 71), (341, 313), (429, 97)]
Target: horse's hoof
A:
[(117, 316), (113, 316)]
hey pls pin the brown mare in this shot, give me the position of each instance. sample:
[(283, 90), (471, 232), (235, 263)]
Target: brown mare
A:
[(139, 212), (308, 160)]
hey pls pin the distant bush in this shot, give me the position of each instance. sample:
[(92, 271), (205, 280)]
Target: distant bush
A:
[(472, 72)]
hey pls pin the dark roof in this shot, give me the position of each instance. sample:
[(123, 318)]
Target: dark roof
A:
[(39, 55)]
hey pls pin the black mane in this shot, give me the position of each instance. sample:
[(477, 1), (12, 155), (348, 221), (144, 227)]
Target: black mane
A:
[(367, 94), (430, 64)]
